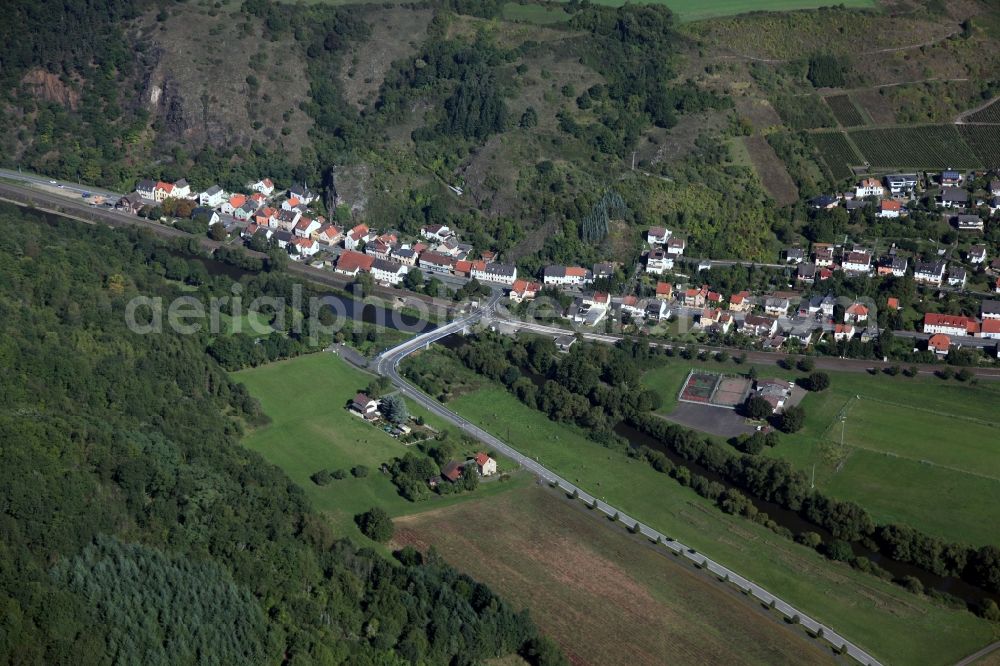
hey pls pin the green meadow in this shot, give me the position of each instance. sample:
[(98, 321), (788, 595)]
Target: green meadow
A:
[(311, 430)]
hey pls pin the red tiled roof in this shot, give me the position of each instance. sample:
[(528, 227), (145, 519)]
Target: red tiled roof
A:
[(576, 271), (482, 458), (857, 309), (889, 204), (955, 321), (939, 341), (990, 326), (892, 302), (664, 288), (351, 261), (237, 200)]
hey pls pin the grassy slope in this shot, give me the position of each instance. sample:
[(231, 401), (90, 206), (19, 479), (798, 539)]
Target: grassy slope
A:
[(895, 625), (606, 597), (902, 438), (311, 430)]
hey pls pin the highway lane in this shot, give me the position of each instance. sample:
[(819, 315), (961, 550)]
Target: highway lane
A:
[(387, 364)]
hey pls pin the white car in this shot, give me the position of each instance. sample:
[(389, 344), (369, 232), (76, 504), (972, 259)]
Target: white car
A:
[(52, 182)]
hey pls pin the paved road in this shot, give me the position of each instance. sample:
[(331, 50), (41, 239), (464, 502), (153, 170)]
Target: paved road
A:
[(973, 658), (387, 364), (45, 181), (756, 357)]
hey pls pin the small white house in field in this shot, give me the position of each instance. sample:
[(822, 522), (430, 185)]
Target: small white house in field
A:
[(485, 465)]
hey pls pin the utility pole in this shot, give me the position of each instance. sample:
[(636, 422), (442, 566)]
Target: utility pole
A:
[(633, 160), (812, 483)]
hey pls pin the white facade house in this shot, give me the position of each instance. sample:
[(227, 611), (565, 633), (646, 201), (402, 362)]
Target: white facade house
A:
[(901, 183), (265, 186), (213, 197), (658, 236), (306, 247), (498, 273), (436, 232), (929, 272), (869, 187), (563, 276), (857, 262), (676, 246), (391, 272), (658, 261)]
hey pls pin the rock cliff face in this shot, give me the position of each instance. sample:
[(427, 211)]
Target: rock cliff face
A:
[(49, 87), (210, 80)]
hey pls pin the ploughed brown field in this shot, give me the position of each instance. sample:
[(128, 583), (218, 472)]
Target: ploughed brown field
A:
[(606, 596)]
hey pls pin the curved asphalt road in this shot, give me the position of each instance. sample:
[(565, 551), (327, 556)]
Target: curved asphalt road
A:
[(387, 364)]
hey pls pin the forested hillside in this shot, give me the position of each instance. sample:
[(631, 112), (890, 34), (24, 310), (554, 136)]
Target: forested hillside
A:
[(136, 529)]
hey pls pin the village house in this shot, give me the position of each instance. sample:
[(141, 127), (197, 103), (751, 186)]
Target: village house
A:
[(939, 344), (990, 329), (824, 202), (283, 238), (806, 272), (213, 196), (485, 465), (631, 306), (211, 217), (658, 261), (387, 271), (498, 273), (306, 227), (404, 255), (759, 326), (990, 309), (977, 254), (264, 186), (658, 236), (957, 277), (245, 212), (524, 290), (843, 332), (603, 270), (818, 306), (562, 276), (357, 236), (901, 183), (740, 302), (664, 291), (454, 249), (893, 266), (950, 178), (146, 189), (776, 307), (656, 310), (436, 263), (969, 223), (953, 198), (436, 232), (180, 190), (302, 193), (890, 208), (869, 187), (235, 201), (775, 392), (379, 249), (929, 272), (162, 191), (953, 325), (287, 219), (794, 255), (893, 303), (363, 405), (857, 262), (489, 256), (676, 247), (708, 316), (351, 263), (855, 313), (329, 235), (823, 254), (305, 247), (695, 297)]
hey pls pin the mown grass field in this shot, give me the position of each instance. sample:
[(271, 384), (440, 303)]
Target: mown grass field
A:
[(895, 625), (311, 430), (604, 595), (919, 451)]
